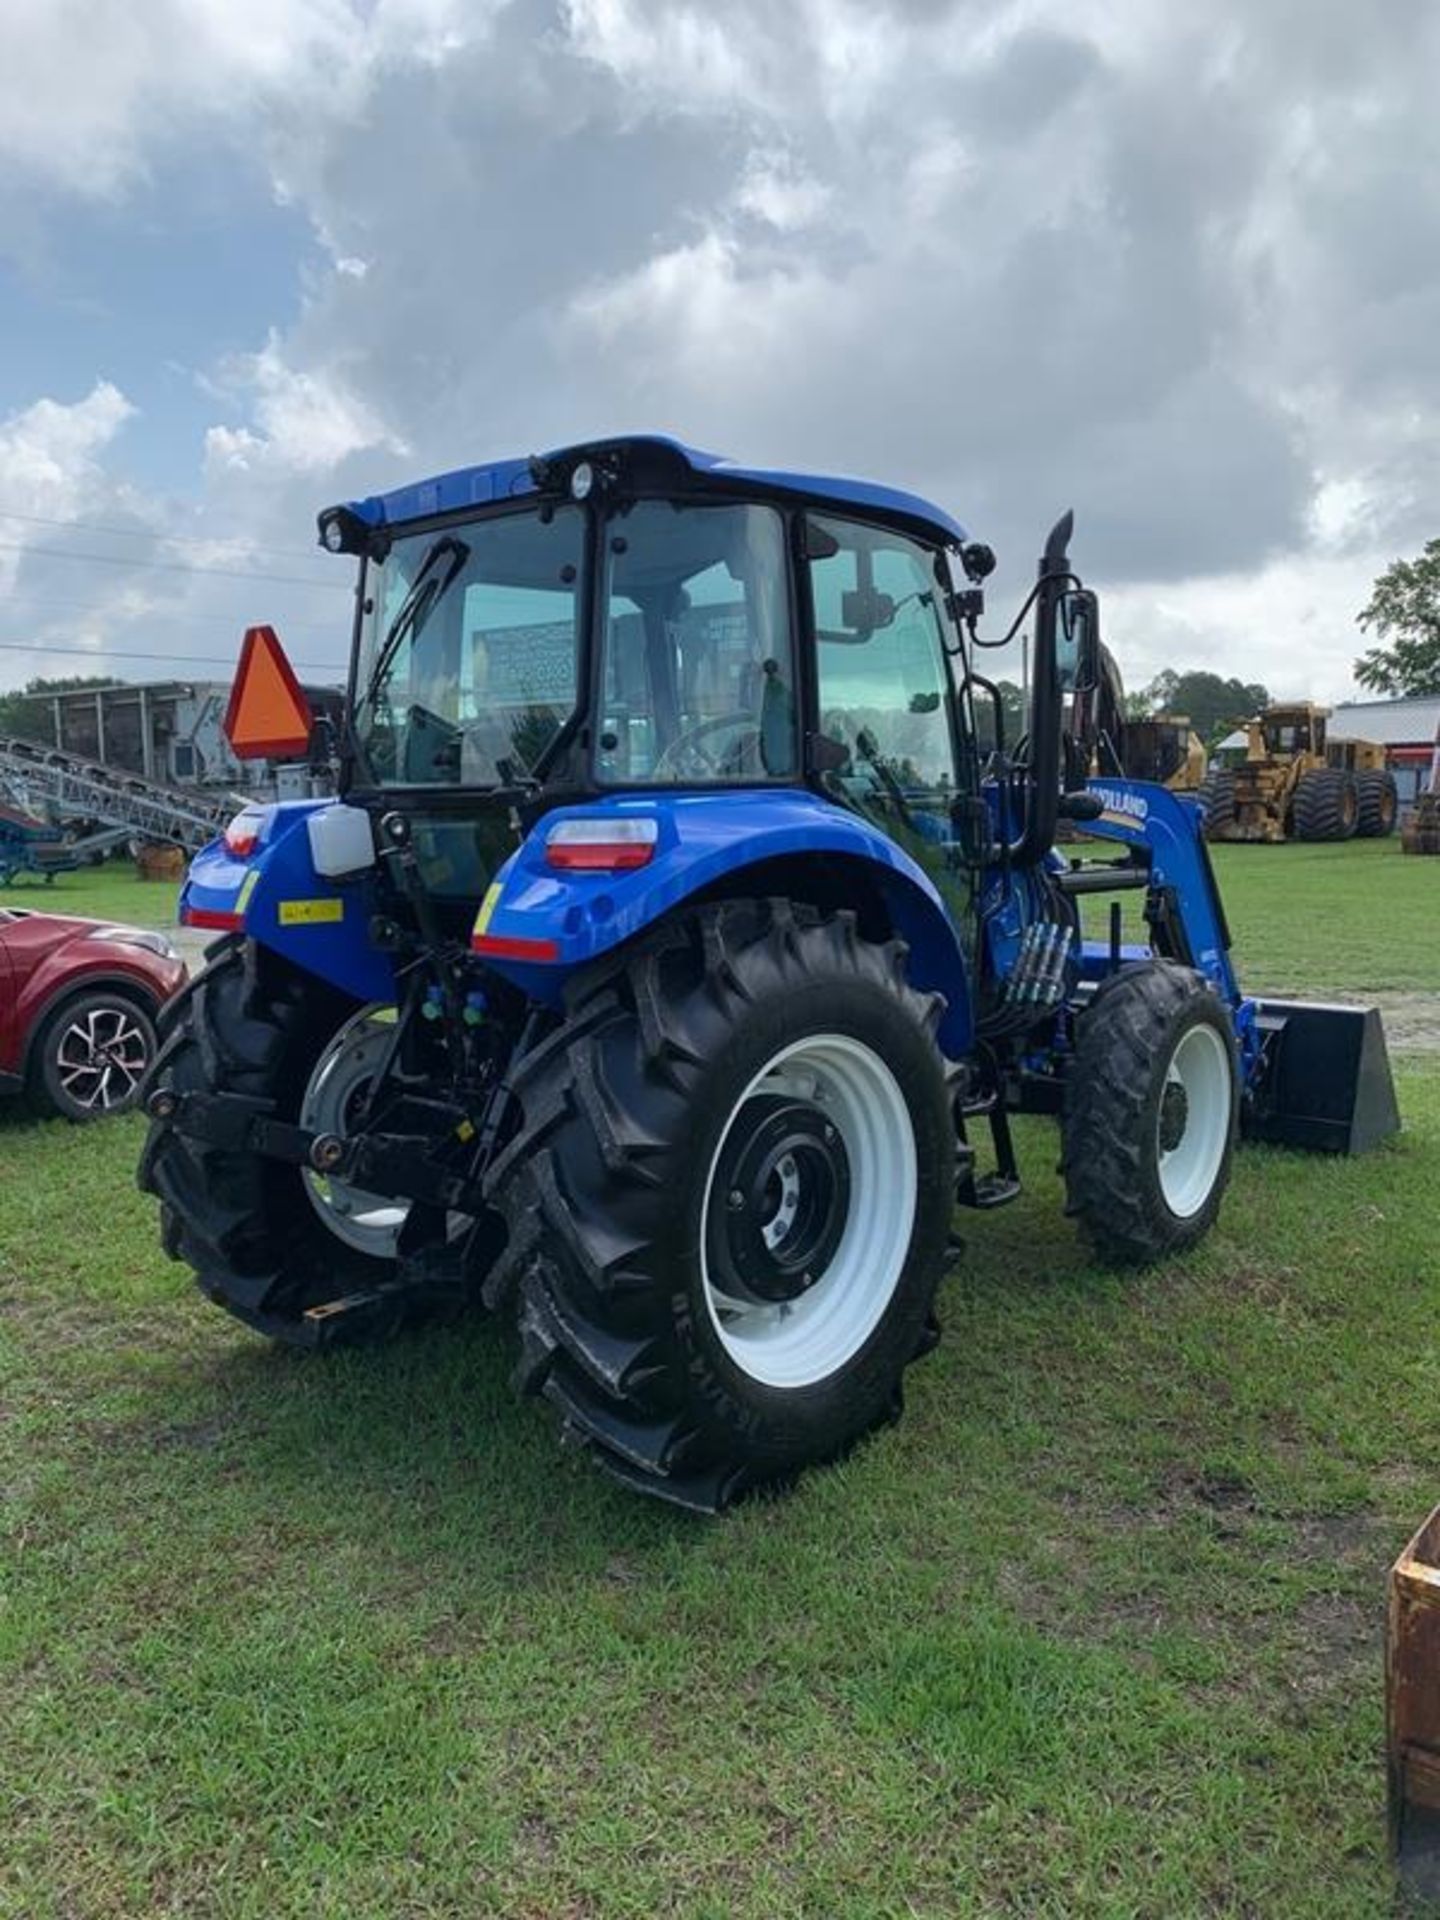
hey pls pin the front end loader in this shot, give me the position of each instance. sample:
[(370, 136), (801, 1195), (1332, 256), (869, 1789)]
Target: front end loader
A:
[(669, 963)]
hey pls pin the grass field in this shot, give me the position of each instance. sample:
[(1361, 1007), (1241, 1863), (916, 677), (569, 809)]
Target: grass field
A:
[(111, 891), (1095, 1630)]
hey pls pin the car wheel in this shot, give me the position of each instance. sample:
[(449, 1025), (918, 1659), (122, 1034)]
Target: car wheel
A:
[(92, 1056)]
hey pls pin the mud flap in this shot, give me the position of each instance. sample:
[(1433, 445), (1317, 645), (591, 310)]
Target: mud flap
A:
[(1326, 1082), (1412, 1709)]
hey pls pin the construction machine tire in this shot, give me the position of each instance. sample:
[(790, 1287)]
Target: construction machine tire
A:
[(728, 1199), (1326, 805), (1152, 1106), (1378, 804), (246, 1224), (1217, 803)]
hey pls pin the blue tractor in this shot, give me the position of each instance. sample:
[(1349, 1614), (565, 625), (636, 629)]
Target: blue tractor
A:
[(682, 918)]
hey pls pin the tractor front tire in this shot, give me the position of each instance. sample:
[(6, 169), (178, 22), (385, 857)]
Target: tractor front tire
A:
[(1379, 804), (729, 1199), (1152, 1105), (1327, 804), (243, 1222), (1217, 801)]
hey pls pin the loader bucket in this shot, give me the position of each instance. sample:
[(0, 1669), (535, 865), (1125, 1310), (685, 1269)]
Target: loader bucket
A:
[(1412, 1709), (1326, 1084)]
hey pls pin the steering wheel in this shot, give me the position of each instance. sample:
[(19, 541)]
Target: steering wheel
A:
[(690, 742)]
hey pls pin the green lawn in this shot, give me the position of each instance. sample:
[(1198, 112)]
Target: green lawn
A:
[(111, 891), (1095, 1630), (1359, 917)]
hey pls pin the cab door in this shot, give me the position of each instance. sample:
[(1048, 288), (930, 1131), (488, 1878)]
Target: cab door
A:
[(888, 738)]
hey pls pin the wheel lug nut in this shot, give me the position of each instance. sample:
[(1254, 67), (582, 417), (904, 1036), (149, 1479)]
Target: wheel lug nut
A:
[(736, 1201), (326, 1152)]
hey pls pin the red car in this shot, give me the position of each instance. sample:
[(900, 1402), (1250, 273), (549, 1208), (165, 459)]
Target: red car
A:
[(78, 1000)]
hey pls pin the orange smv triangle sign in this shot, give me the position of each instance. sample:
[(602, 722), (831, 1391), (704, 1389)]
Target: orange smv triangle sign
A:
[(268, 717)]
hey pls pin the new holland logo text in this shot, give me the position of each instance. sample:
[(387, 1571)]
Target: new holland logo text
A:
[(1133, 806)]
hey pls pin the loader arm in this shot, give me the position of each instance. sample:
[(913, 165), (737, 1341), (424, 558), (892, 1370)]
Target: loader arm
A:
[(1165, 835), (1315, 1076)]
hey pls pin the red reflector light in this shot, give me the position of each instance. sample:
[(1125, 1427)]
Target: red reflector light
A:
[(609, 845), (220, 921), (598, 857), (499, 946)]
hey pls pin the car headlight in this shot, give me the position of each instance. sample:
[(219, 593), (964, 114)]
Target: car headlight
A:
[(140, 937)]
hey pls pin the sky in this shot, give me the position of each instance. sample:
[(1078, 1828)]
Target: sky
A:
[(1176, 268)]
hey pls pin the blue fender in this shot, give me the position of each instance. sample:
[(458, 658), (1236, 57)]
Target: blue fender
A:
[(537, 925), (275, 895)]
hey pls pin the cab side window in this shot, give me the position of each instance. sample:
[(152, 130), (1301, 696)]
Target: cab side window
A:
[(881, 672)]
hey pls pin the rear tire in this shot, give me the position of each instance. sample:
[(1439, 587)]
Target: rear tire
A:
[(1379, 804), (1152, 1105), (1217, 801), (246, 1223), (728, 1200), (1327, 805)]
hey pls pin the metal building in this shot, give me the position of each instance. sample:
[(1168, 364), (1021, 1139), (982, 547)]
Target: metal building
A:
[(166, 730)]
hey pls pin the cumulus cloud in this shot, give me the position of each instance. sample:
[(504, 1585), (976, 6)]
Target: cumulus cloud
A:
[(1174, 270), (51, 465), (309, 421)]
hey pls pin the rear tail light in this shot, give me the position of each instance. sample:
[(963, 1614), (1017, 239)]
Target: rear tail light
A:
[(243, 833), (601, 846)]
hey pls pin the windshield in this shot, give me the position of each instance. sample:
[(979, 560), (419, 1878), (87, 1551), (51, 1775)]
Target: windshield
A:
[(468, 650)]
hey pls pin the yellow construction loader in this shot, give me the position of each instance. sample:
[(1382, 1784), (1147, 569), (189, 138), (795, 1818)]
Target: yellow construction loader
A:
[(1296, 784), (1166, 749)]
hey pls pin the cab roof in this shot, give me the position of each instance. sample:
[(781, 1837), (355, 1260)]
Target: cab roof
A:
[(655, 460)]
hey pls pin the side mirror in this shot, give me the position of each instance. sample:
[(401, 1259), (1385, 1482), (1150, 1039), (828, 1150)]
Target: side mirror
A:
[(1077, 641)]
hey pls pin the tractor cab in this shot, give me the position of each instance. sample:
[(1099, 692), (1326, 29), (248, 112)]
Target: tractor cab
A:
[(1287, 732), (632, 622)]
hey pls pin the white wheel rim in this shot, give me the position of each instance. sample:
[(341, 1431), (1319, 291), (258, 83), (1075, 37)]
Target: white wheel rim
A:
[(801, 1341), (1200, 1068), (368, 1222)]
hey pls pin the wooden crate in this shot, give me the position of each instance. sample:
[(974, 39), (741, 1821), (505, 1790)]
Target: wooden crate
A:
[(1412, 1707)]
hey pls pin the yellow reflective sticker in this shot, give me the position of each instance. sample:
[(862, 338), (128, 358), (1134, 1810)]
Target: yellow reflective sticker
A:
[(247, 887), (487, 908), (310, 913)]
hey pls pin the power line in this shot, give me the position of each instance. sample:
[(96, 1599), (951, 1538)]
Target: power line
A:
[(150, 533), (162, 619), (102, 654), (174, 566)]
